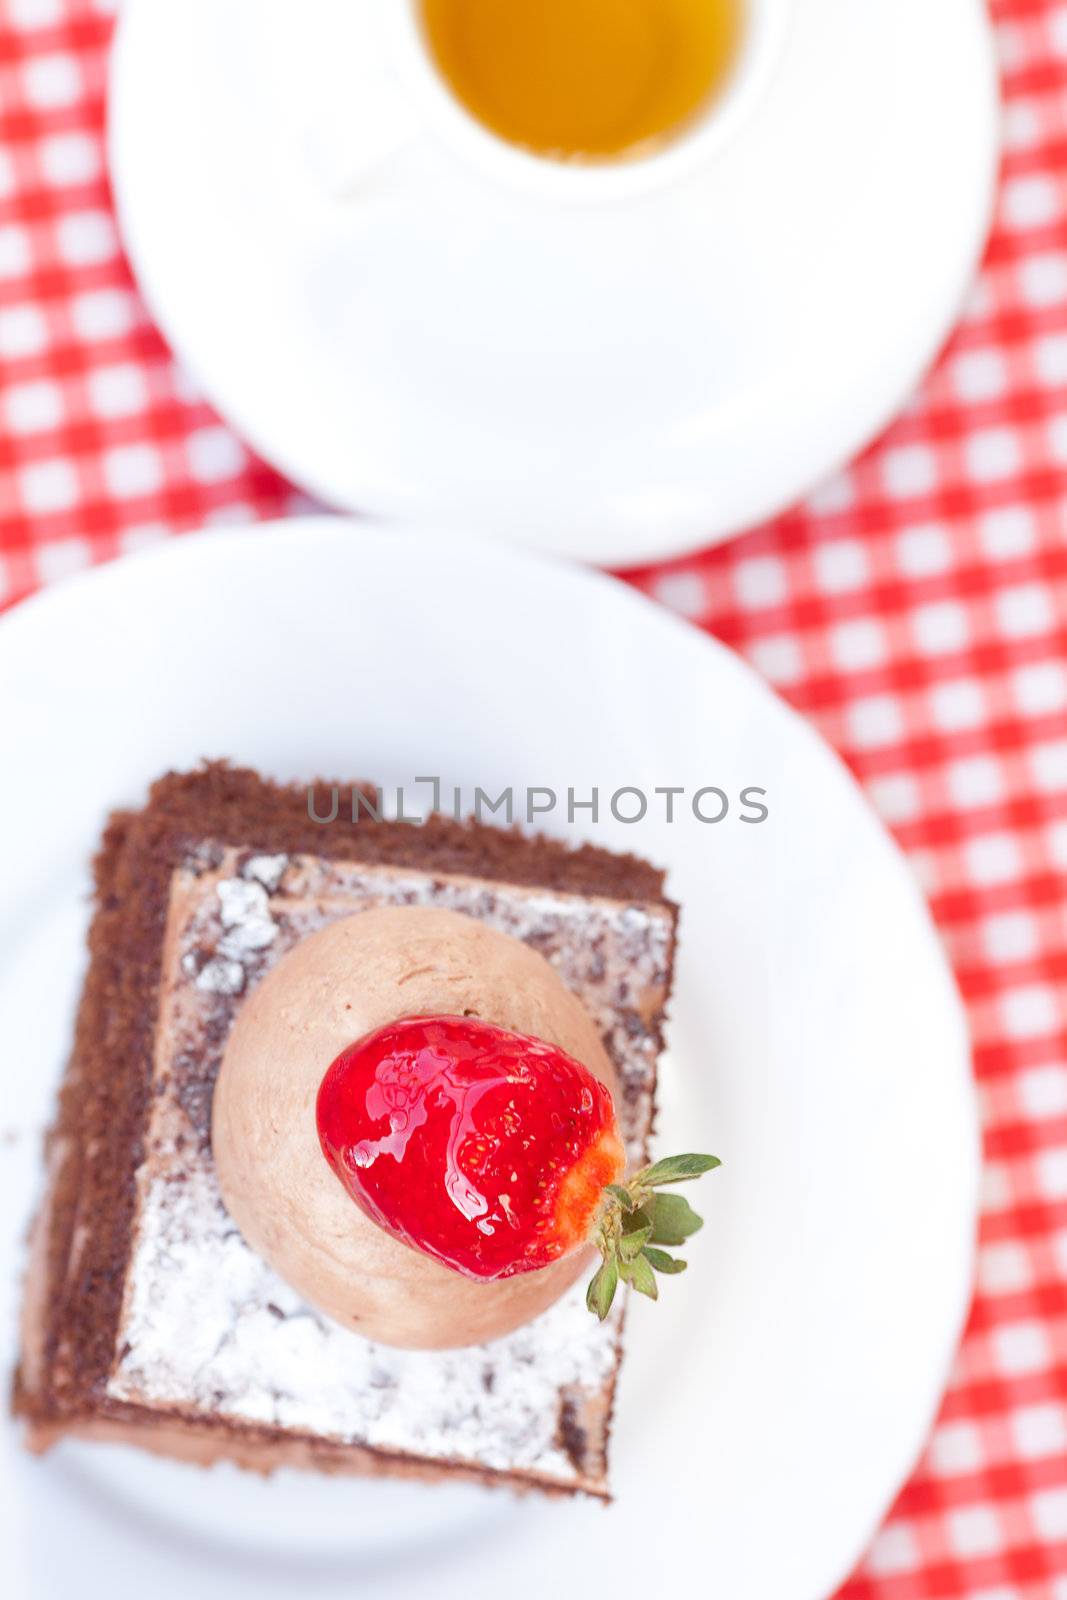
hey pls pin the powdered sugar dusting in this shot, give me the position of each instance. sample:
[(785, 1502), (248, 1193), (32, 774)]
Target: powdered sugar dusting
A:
[(208, 1327), (253, 1352), (221, 976), (266, 870)]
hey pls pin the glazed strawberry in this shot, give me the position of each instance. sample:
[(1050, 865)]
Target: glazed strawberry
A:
[(497, 1153), (487, 1149)]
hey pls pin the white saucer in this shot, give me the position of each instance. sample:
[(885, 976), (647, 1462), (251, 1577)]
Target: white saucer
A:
[(775, 1399), (617, 382)]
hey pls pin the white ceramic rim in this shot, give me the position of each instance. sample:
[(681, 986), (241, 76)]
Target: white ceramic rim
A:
[(766, 27)]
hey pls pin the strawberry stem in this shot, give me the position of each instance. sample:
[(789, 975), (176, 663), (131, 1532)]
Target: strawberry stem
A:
[(634, 1219)]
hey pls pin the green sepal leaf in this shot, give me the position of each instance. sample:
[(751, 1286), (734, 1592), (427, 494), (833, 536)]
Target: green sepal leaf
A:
[(602, 1287), (639, 1275), (631, 1244), (641, 1218), (662, 1262), (673, 1220), (633, 1219), (678, 1169)]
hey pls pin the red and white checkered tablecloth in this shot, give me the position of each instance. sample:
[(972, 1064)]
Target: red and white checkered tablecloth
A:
[(915, 608)]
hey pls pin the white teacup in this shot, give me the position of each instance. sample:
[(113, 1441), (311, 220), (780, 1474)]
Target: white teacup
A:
[(373, 89)]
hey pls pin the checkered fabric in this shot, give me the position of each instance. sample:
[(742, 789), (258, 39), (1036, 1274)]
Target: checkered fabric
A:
[(915, 608)]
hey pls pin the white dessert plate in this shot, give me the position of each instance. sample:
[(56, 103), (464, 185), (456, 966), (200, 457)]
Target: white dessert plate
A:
[(406, 334), (775, 1399)]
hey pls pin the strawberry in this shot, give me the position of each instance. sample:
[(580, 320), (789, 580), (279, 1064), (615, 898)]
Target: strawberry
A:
[(495, 1153)]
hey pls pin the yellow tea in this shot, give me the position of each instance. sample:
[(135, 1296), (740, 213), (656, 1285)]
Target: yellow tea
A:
[(584, 79)]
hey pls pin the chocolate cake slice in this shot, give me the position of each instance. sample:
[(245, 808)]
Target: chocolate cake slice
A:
[(147, 1318)]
